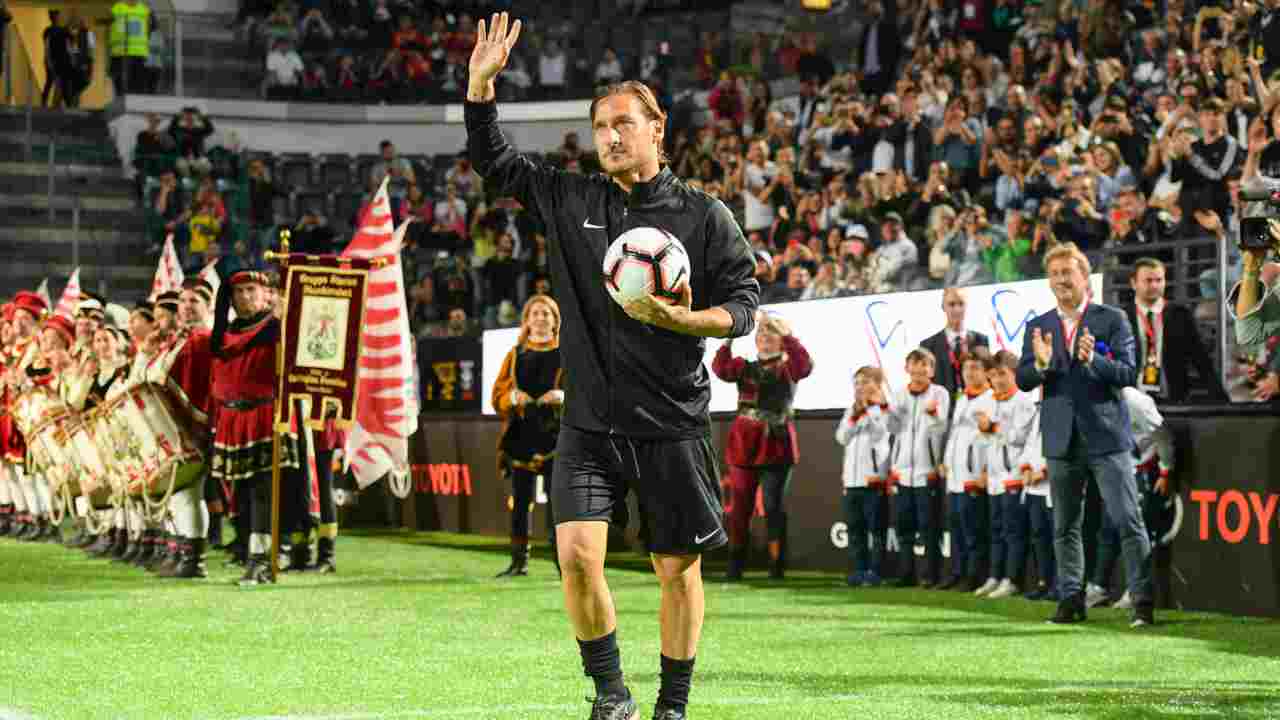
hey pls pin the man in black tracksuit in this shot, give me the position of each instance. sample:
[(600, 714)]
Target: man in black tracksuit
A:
[(637, 393)]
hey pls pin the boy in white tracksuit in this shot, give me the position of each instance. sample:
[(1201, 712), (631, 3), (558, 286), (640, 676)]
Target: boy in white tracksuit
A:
[(1034, 468), (963, 466), (1007, 428), (1154, 461), (918, 421), (865, 436)]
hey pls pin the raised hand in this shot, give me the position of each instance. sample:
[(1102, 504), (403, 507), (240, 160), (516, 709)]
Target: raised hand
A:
[(493, 47), (1042, 347), (1085, 345)]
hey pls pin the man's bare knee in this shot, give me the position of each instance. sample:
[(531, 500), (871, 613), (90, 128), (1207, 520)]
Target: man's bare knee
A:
[(581, 551), (678, 573)]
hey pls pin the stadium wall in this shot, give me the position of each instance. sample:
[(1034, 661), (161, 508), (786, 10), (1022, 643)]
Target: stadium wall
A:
[(1224, 556), (318, 128)]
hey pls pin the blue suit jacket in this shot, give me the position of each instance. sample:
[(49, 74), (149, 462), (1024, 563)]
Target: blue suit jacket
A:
[(1083, 398)]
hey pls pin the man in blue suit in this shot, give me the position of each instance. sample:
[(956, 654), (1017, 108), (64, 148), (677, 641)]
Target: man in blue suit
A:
[(1083, 354)]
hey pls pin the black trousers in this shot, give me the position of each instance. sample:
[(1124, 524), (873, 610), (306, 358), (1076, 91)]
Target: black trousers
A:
[(523, 487)]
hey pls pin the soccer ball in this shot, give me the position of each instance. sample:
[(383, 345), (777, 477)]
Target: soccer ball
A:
[(645, 261)]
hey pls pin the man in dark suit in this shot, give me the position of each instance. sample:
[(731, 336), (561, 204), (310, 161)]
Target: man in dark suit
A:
[(881, 47), (952, 341), (1082, 354), (949, 345), (1167, 339)]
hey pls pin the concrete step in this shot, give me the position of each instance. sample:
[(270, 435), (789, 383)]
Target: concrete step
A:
[(34, 227), (121, 284), (61, 121), (78, 153), (85, 186), (36, 168), (88, 201)]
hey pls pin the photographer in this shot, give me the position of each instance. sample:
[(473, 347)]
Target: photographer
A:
[(1253, 303)]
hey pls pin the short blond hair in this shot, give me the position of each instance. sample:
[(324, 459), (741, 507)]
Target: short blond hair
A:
[(1069, 251), (954, 292)]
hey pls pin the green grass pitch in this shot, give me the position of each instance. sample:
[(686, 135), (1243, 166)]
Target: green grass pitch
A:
[(415, 626)]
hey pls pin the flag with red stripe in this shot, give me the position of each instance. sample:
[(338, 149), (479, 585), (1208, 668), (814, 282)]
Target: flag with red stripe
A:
[(387, 410), (169, 271), (43, 292), (70, 299)]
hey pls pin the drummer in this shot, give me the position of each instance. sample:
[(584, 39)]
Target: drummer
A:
[(104, 365), (115, 536), (47, 369), (28, 310), (142, 323), (183, 368), (244, 383)]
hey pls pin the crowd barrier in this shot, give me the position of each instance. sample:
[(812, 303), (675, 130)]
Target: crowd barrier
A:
[(1223, 554)]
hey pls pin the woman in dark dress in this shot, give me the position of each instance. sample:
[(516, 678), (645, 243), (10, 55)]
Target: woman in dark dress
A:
[(528, 395)]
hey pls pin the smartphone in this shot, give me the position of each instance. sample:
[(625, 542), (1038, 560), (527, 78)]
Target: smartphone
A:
[(664, 47)]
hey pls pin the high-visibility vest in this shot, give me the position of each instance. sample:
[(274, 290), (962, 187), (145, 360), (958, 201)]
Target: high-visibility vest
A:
[(119, 29), (138, 31)]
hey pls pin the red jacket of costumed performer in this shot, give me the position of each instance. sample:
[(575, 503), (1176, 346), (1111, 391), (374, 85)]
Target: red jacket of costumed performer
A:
[(12, 443), (242, 398), (764, 432), (190, 374)]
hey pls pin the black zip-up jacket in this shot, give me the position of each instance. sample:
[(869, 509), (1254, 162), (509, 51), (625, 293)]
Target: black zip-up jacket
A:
[(623, 376)]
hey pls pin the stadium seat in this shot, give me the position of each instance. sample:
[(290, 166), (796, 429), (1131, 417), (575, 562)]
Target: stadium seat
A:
[(364, 165), (346, 205), (312, 200), (336, 172), (294, 170)]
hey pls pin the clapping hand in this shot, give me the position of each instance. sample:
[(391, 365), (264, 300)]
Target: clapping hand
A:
[(1042, 347), (1084, 346), (1267, 387)]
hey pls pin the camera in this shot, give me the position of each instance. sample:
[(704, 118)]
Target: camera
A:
[(1255, 234), (1255, 231)]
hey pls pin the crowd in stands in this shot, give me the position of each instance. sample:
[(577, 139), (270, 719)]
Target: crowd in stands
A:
[(402, 52), (958, 144)]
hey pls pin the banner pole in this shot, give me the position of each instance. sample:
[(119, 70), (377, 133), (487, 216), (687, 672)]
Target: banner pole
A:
[(277, 428)]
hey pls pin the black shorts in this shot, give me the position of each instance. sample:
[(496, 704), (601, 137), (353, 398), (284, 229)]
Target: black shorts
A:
[(677, 484)]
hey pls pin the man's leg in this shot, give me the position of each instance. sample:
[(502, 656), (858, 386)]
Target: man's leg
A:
[(581, 545), (1067, 488), (856, 534), (680, 617), (1119, 489)]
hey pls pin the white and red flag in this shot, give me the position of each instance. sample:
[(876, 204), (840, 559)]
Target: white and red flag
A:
[(169, 272), (43, 292), (387, 409), (70, 299)]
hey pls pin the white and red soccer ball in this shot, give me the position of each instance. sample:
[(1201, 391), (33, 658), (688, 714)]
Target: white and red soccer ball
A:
[(645, 261)]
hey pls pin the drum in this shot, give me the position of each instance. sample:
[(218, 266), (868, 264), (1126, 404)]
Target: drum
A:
[(35, 407), (91, 467), (155, 441)]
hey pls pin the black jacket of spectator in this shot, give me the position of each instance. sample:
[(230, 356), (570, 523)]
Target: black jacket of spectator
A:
[(634, 379), (262, 193), (1182, 348), (1203, 175), (945, 373), (1150, 228), (313, 239), (190, 140), (1087, 232), (500, 276), (153, 153), (900, 135), (888, 49)]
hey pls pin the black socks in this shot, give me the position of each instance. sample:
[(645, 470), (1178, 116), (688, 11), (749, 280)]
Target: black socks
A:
[(677, 676), (602, 661)]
